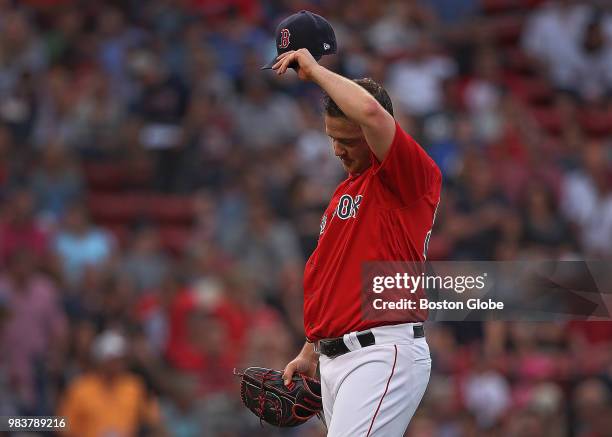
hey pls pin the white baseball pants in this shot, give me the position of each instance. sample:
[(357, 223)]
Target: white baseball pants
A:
[(374, 391)]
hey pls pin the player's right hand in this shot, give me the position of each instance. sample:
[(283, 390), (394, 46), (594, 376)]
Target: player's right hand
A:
[(300, 364), (306, 63)]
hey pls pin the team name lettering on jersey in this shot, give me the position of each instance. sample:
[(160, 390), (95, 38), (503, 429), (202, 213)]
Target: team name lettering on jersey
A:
[(348, 207)]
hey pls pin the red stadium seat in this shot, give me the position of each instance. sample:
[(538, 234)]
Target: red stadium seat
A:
[(170, 209), (548, 118), (491, 7), (120, 232), (103, 176), (174, 238), (506, 29), (131, 207), (534, 91), (519, 62), (531, 4), (595, 123), (110, 176), (116, 208)]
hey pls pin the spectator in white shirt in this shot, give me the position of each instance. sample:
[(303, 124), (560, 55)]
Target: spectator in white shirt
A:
[(552, 37), (587, 201), (417, 82), (591, 78)]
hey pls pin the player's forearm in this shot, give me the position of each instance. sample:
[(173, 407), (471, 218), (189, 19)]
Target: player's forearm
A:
[(354, 101)]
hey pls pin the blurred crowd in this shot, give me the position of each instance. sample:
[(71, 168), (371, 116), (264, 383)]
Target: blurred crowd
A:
[(131, 327)]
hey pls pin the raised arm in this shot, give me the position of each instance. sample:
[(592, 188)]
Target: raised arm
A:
[(358, 105)]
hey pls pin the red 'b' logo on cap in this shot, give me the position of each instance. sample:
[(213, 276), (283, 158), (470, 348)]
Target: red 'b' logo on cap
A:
[(284, 39)]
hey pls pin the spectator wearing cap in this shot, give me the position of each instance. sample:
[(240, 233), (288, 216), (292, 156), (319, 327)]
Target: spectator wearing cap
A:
[(109, 400)]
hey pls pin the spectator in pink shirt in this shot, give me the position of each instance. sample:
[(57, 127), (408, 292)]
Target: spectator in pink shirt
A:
[(32, 336)]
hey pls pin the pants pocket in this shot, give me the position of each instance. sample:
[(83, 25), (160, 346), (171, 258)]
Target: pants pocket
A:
[(420, 351)]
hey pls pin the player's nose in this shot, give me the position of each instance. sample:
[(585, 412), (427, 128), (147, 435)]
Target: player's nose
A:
[(338, 150)]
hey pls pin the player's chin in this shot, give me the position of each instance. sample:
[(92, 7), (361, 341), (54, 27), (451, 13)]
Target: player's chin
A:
[(354, 167), (349, 165)]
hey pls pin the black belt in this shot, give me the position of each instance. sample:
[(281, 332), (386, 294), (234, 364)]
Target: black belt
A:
[(333, 347)]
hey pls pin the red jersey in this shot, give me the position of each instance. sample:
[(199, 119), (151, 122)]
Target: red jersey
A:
[(382, 214)]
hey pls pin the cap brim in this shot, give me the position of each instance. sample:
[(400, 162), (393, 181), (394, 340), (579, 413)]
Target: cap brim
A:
[(269, 65), (294, 64)]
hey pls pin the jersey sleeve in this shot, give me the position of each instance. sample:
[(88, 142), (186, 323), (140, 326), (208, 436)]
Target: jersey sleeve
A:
[(407, 170)]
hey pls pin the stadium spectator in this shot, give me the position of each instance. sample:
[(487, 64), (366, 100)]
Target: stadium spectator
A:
[(452, 12), (19, 227), (487, 396), (317, 162), (483, 94), (552, 37), (587, 200), (56, 111), (397, 29), (267, 248), (81, 245), (479, 212), (18, 107), (145, 262), (161, 106), (544, 229), (182, 411), (34, 333), (109, 399), (591, 401), (98, 112), (21, 49), (592, 75), (56, 183), (418, 80), (277, 117)]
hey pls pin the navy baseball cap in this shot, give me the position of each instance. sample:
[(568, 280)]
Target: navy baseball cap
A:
[(304, 30)]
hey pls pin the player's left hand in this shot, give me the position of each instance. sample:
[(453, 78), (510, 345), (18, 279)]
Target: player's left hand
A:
[(306, 63)]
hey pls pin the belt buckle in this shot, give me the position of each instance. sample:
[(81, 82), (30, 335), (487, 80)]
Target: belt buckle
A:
[(329, 349), (317, 348)]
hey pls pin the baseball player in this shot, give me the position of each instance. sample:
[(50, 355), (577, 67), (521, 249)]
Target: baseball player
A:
[(373, 374)]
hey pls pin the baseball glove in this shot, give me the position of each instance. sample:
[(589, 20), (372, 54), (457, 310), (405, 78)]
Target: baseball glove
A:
[(264, 393)]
